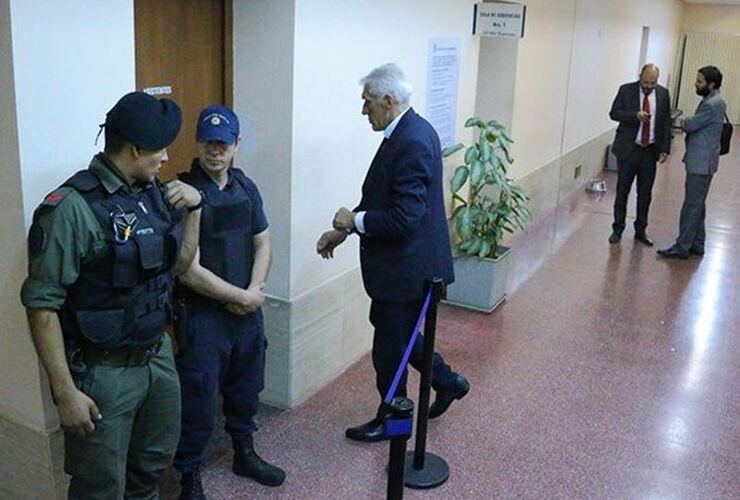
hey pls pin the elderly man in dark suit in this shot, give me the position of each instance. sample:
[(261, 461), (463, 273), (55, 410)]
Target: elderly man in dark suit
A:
[(403, 238), (643, 137), (703, 133)]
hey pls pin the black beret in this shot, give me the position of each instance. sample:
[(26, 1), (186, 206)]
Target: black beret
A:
[(145, 121)]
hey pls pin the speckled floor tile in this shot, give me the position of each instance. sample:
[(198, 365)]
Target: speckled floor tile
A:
[(607, 374)]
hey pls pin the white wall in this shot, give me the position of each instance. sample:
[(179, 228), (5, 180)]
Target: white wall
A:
[(497, 79), (78, 59), (336, 44), (711, 18), (263, 90), (602, 39), (541, 84), (65, 70)]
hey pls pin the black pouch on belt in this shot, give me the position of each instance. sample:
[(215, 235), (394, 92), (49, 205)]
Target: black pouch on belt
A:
[(180, 322)]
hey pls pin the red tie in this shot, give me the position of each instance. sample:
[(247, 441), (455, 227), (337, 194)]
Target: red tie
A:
[(645, 138)]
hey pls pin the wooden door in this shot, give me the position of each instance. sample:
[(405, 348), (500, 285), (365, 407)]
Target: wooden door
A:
[(183, 51)]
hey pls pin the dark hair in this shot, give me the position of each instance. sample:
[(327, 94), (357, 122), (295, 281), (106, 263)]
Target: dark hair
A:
[(712, 74), (114, 142)]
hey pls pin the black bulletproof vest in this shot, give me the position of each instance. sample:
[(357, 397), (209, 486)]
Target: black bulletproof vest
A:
[(121, 297), (226, 247)]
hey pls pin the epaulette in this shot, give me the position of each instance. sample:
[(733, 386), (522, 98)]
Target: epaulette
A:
[(84, 180)]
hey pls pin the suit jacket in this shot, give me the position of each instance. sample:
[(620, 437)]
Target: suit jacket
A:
[(406, 238), (624, 110), (703, 132)]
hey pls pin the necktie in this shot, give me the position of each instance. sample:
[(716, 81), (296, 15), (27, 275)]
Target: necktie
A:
[(645, 137)]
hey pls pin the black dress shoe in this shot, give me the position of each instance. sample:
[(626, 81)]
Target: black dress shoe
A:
[(696, 251), (644, 239), (446, 396), (673, 253), (369, 432), (615, 237)]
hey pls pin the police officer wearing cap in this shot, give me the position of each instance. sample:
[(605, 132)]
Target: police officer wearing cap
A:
[(221, 340), (102, 251)]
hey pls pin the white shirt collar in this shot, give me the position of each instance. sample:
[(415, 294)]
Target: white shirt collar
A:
[(392, 125)]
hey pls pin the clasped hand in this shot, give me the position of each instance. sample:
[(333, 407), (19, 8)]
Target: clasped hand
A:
[(251, 299)]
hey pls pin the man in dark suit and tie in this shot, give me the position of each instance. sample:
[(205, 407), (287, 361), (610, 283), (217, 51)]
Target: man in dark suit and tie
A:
[(404, 239), (643, 137), (703, 136)]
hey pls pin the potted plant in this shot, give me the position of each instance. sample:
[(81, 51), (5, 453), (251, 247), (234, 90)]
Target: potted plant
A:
[(491, 207)]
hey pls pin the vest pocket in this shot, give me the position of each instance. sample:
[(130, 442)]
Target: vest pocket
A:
[(103, 327), (151, 251), (125, 264)]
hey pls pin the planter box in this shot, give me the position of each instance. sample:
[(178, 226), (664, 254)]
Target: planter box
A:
[(480, 284)]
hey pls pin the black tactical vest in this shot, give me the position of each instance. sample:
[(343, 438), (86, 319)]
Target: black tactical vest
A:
[(121, 297), (226, 247)]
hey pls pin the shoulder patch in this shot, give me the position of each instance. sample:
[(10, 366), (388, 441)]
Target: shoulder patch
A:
[(55, 197)]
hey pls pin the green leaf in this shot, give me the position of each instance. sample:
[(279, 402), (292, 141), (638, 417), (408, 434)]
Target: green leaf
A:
[(459, 198), (506, 152), (496, 162), (496, 124), (474, 247), (485, 249), (463, 246), (465, 223), (450, 150), (475, 122), (456, 211), (471, 154), (459, 178), (485, 152), (477, 171)]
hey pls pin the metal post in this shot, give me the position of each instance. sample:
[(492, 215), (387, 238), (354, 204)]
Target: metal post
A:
[(398, 428), (429, 470)]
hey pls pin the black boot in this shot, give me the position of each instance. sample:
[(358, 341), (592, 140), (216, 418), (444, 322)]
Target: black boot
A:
[(192, 488), (248, 464)]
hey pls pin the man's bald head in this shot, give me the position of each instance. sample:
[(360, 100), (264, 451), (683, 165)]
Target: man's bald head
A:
[(649, 77)]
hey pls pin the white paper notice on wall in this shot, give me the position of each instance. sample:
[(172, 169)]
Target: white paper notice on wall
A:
[(161, 90), (443, 70), (499, 19)]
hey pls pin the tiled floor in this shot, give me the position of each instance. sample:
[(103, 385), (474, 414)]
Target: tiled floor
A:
[(608, 373)]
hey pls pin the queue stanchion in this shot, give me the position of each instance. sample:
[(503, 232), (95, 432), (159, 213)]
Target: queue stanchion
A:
[(428, 470), (398, 427)]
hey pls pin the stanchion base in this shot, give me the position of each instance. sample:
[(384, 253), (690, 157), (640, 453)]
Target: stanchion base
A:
[(435, 472)]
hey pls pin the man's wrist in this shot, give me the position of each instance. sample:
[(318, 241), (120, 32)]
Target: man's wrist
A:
[(199, 205)]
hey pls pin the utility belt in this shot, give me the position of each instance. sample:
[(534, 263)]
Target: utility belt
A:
[(87, 355)]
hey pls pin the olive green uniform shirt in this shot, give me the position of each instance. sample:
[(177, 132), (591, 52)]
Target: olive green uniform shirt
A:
[(64, 236)]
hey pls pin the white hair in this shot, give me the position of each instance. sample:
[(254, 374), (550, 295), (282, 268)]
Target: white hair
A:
[(388, 79)]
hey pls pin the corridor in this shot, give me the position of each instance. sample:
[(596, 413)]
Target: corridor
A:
[(608, 373)]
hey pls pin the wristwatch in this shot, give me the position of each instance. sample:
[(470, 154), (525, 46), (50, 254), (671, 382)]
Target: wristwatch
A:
[(200, 203)]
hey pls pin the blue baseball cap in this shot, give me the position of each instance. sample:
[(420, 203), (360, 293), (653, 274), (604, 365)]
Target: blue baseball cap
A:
[(217, 123)]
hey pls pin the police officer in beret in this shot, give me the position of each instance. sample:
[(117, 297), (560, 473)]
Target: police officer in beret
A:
[(102, 251), (222, 341)]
